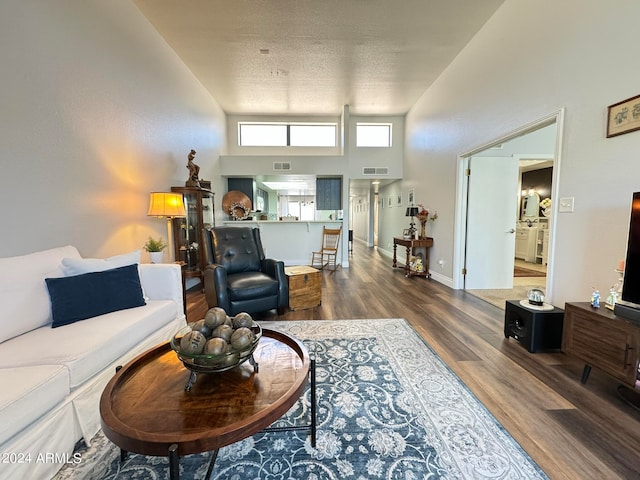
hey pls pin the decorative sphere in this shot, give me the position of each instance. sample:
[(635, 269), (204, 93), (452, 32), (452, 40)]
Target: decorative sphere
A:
[(241, 338), (216, 346), (242, 319), (232, 358), (192, 343), (223, 331), (202, 327), (215, 316)]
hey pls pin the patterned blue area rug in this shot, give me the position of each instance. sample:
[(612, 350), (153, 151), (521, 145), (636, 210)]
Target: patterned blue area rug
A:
[(388, 408)]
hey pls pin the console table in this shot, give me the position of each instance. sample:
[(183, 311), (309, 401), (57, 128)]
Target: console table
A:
[(410, 244), (603, 340)]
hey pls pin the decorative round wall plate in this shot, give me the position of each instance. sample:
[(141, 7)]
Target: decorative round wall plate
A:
[(236, 204)]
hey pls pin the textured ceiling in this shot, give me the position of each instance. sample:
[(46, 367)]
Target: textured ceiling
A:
[(304, 57)]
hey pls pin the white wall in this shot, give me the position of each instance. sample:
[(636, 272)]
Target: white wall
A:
[(530, 60), (391, 157), (96, 112)]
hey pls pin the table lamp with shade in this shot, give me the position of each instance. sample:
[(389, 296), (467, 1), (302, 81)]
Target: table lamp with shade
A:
[(412, 212), (167, 205)]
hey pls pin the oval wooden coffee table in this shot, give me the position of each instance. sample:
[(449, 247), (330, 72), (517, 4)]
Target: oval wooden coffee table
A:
[(145, 408)]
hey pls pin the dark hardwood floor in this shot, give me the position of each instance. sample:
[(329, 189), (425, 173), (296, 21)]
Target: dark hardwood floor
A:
[(573, 431)]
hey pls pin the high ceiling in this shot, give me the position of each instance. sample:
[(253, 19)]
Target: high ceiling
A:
[(304, 57)]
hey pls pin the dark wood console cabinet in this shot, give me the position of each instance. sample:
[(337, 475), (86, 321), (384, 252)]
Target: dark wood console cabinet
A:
[(603, 340)]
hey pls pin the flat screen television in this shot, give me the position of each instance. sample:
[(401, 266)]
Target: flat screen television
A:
[(629, 305)]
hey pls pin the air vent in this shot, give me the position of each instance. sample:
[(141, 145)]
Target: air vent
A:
[(375, 171), (281, 166)]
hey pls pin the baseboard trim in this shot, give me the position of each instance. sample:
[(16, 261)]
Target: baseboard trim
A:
[(438, 277)]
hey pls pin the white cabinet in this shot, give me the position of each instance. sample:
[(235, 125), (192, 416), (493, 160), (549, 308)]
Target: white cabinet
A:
[(526, 243), (542, 247)]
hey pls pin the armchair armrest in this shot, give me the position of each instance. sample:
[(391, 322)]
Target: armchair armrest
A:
[(215, 286), (275, 269)]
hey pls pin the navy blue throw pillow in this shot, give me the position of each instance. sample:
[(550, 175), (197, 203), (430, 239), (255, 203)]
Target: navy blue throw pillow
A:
[(91, 294)]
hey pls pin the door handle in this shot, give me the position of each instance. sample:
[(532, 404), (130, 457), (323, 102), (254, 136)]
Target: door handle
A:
[(513, 230)]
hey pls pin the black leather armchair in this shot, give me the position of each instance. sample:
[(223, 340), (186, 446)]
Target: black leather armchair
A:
[(238, 277)]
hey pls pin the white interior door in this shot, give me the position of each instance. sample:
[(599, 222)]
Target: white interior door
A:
[(492, 205)]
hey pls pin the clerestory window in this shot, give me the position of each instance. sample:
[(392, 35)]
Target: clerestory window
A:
[(373, 135), (265, 134)]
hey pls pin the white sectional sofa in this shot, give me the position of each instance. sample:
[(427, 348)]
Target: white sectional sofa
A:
[(51, 379)]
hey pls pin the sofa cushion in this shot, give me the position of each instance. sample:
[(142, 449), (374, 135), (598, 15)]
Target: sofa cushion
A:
[(91, 294), (86, 347), (33, 392), (24, 300), (77, 266)]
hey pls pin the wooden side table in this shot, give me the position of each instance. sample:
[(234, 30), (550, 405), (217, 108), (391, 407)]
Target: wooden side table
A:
[(305, 287), (410, 244)]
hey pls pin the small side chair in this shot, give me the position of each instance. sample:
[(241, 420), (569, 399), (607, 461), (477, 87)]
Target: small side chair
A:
[(328, 253)]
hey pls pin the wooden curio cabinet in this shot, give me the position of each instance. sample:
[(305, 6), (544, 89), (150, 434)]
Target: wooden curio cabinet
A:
[(188, 232)]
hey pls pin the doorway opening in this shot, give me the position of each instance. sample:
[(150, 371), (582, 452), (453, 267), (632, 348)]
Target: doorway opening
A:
[(504, 243)]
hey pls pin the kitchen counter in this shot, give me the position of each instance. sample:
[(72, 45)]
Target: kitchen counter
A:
[(293, 241)]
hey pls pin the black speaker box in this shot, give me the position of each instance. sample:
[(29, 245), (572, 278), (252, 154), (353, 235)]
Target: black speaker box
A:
[(537, 330)]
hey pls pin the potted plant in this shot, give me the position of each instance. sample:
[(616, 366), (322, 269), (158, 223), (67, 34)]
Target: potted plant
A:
[(155, 248)]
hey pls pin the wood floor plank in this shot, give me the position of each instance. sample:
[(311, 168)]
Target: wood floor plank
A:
[(573, 431)]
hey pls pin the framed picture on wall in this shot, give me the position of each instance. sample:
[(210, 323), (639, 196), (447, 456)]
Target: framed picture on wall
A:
[(411, 198), (623, 117), (399, 200), (389, 201)]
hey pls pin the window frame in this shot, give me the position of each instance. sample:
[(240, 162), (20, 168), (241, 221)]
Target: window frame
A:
[(389, 125), (288, 126)]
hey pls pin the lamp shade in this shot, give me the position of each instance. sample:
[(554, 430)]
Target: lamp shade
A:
[(411, 211), (164, 204)]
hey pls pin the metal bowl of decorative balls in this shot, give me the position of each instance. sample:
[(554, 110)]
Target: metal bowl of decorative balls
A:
[(217, 343)]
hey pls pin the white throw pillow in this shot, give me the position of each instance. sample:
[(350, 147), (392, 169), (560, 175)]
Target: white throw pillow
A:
[(24, 299), (78, 266)]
